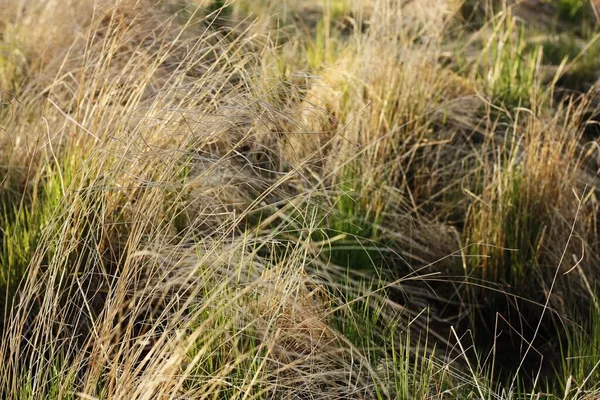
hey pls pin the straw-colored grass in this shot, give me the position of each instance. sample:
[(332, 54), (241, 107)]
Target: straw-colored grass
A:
[(320, 199)]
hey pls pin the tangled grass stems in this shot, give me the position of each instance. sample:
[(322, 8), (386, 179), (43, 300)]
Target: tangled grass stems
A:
[(320, 199)]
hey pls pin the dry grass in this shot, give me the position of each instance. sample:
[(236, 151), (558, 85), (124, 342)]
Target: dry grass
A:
[(303, 200)]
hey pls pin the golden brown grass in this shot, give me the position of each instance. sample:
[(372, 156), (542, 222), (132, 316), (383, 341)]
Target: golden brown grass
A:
[(320, 199)]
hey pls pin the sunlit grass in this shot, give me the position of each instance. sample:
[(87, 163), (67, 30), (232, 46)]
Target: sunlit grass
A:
[(275, 199)]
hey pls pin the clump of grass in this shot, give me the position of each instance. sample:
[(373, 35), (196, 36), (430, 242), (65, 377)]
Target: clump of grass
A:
[(349, 225), (287, 337), (508, 71), (23, 224), (580, 358), (513, 221), (61, 384), (572, 10)]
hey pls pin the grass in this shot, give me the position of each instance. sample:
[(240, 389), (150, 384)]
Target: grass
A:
[(580, 359), (23, 225), (319, 199), (572, 10), (508, 68)]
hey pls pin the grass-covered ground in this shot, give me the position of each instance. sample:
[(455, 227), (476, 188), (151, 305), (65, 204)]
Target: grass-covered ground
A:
[(309, 199)]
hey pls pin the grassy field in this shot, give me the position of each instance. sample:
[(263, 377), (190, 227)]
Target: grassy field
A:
[(309, 199)]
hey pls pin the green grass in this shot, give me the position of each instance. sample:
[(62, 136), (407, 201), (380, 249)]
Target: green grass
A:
[(24, 222), (581, 357), (572, 10), (508, 70), (318, 199), (61, 384), (352, 217), (520, 222)]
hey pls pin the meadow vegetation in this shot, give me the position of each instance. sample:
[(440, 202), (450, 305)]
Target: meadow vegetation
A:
[(316, 199)]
